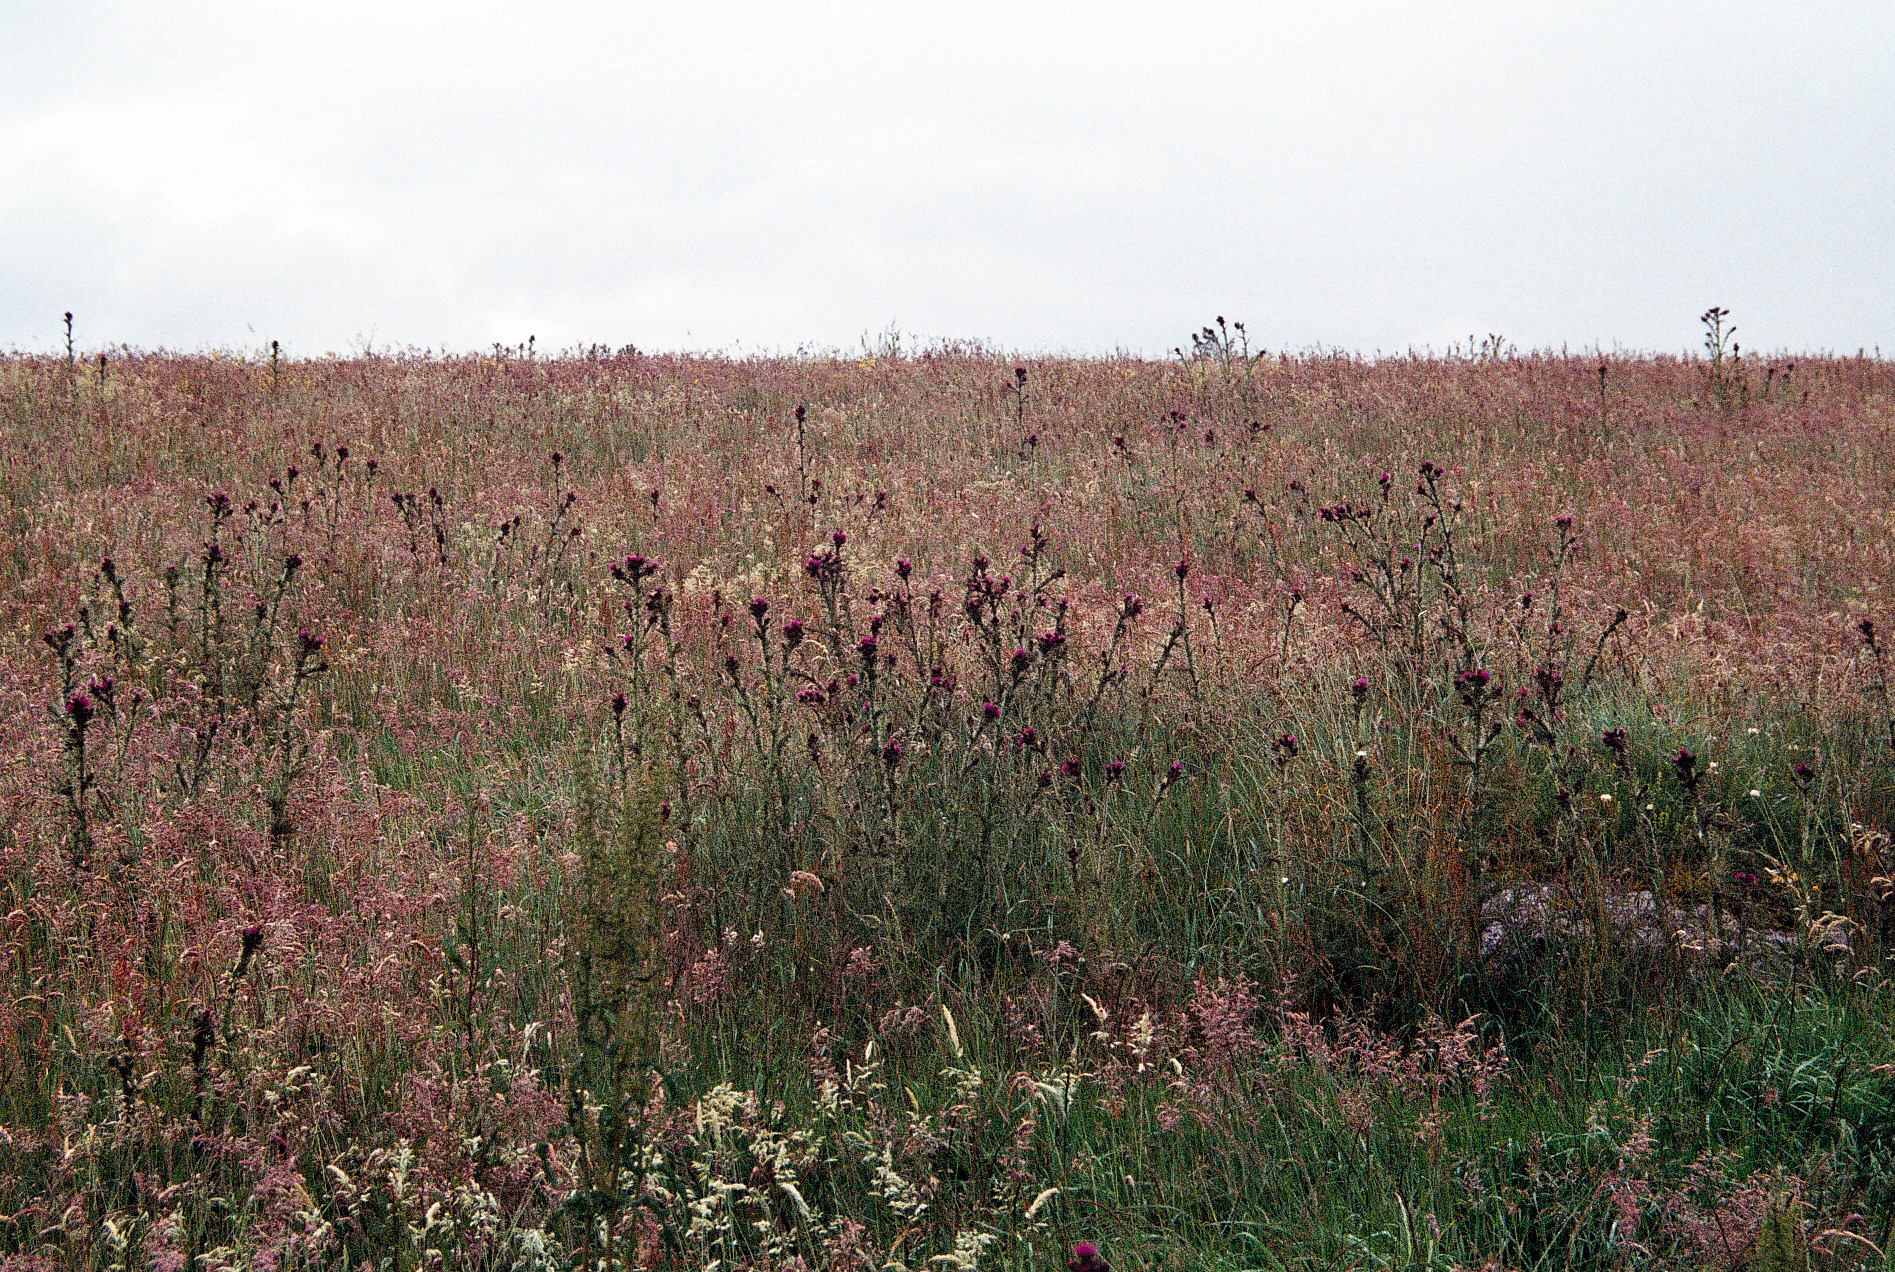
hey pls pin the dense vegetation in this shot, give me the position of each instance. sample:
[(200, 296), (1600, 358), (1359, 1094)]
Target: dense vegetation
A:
[(918, 810)]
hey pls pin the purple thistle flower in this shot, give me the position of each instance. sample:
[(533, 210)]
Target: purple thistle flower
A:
[(1685, 766)]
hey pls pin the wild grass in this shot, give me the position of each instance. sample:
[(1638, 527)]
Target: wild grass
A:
[(1244, 811)]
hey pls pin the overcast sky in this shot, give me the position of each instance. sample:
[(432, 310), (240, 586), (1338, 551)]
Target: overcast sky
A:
[(1046, 177)]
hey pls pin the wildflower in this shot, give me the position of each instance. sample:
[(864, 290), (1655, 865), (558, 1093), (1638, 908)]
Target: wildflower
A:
[(1606, 800), (891, 753), (1115, 770), (1685, 765), (1804, 775), (618, 705), (793, 632), (903, 568), (990, 710), (1472, 686), (1360, 689), (1086, 1259), (252, 941), (758, 608), (79, 707), (1755, 793)]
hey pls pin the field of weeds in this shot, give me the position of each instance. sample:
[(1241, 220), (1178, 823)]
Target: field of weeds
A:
[(925, 811)]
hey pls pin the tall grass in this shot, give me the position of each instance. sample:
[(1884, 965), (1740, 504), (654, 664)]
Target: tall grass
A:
[(1247, 811)]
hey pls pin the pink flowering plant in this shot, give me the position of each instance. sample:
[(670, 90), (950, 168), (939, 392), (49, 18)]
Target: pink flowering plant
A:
[(930, 810)]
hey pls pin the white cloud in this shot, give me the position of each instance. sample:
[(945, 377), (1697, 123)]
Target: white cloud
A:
[(1054, 175)]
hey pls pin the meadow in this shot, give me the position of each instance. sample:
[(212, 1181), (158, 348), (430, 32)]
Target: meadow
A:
[(927, 810)]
